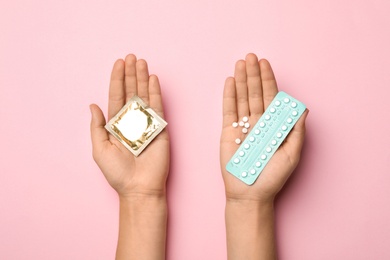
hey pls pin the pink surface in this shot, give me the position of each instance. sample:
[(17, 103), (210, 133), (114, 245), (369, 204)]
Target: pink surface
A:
[(56, 57)]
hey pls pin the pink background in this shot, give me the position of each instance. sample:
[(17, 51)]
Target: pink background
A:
[(56, 57)]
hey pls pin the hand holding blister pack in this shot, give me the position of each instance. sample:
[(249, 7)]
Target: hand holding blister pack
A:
[(136, 125), (265, 137)]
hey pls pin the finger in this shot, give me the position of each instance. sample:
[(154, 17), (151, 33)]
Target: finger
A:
[(241, 89), (130, 76), (99, 135), (155, 98), (255, 93), (294, 140), (142, 80), (116, 96), (270, 88), (229, 102)]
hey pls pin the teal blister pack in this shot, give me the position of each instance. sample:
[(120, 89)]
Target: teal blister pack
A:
[(265, 138)]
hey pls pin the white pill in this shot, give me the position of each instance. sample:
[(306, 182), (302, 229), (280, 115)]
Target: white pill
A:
[(241, 153), (238, 141), (257, 131), (277, 103), (241, 123), (268, 149), (236, 160), (293, 104), (289, 120), (252, 139), (286, 100), (263, 156), (278, 135), (245, 119), (235, 124), (262, 124), (244, 174), (284, 128), (247, 125), (258, 164), (272, 110), (246, 146), (294, 113), (245, 130), (267, 117), (273, 142), (253, 171)]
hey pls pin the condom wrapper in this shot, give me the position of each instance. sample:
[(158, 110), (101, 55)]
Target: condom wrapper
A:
[(136, 125)]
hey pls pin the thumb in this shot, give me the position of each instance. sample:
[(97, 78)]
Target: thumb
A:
[(99, 134)]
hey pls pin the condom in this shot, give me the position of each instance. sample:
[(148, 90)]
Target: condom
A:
[(136, 125)]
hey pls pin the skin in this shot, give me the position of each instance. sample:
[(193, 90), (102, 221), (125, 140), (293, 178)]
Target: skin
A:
[(249, 209), (139, 181)]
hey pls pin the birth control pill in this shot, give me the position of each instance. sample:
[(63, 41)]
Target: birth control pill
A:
[(278, 135), (277, 103), (245, 119), (272, 110), (252, 139), (236, 160), (241, 153), (257, 131), (273, 142), (244, 174), (247, 125), (268, 149), (246, 146), (258, 164), (286, 100), (235, 124), (293, 104), (294, 113), (245, 130), (238, 141), (253, 171), (284, 128), (241, 123), (263, 156), (267, 117), (289, 120), (262, 124)]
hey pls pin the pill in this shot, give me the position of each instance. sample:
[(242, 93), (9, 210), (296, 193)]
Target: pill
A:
[(244, 174), (277, 103), (262, 124), (246, 146), (235, 124), (253, 171), (258, 164), (245, 119), (268, 149), (241, 153), (294, 113), (272, 110), (293, 104), (267, 117), (241, 123), (247, 125), (252, 139), (236, 160), (245, 130), (278, 135), (257, 131), (263, 156), (273, 142), (286, 100), (289, 120), (238, 141), (284, 128)]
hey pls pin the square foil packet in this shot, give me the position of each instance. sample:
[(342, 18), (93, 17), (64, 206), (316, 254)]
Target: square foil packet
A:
[(136, 125)]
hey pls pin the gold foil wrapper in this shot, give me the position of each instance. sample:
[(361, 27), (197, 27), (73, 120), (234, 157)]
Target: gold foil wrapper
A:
[(136, 125)]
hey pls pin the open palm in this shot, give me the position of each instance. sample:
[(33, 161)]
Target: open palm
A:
[(127, 174), (249, 93)]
